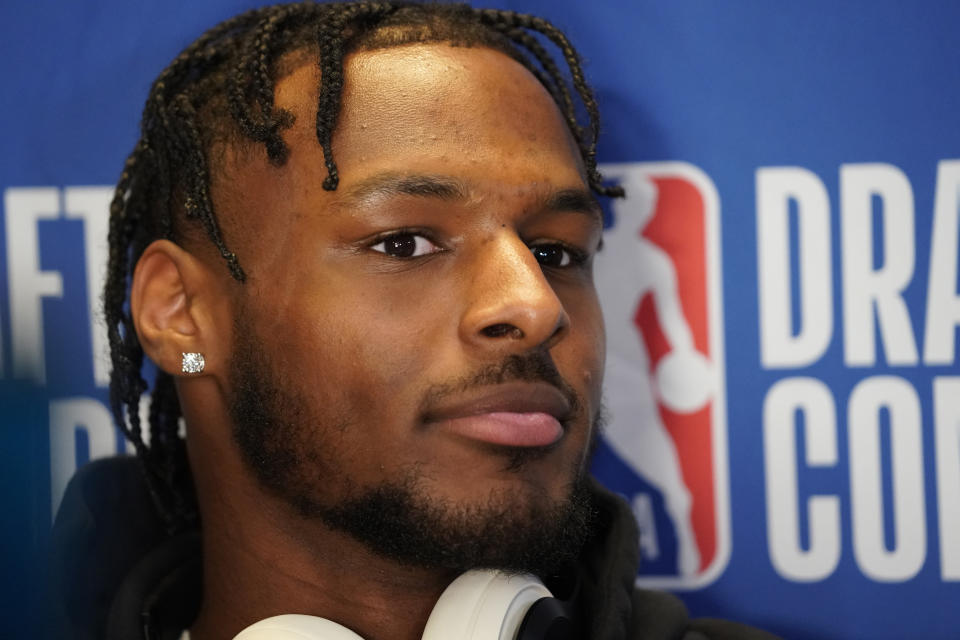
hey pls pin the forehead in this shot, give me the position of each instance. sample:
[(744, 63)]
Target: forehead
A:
[(432, 103), (451, 99)]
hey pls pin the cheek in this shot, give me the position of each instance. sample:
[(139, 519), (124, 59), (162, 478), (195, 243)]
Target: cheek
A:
[(356, 355), (587, 348), (592, 369)]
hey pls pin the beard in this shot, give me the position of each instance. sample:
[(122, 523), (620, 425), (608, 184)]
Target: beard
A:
[(283, 443)]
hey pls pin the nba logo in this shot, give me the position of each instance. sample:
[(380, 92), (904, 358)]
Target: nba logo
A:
[(664, 446)]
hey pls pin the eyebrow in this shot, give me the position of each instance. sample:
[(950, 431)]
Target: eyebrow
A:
[(401, 184), (391, 184), (575, 200)]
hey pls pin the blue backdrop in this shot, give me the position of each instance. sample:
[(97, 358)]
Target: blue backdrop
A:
[(813, 154)]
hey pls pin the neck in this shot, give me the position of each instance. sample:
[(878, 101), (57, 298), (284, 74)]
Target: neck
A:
[(275, 563)]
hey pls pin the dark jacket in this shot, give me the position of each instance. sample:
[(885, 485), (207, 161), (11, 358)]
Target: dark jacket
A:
[(117, 576)]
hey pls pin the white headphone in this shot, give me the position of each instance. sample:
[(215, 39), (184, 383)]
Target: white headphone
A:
[(479, 605)]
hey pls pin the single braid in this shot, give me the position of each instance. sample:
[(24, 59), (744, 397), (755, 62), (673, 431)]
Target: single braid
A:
[(250, 83), (267, 47), (200, 204), (330, 41)]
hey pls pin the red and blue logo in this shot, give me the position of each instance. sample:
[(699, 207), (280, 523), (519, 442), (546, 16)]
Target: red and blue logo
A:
[(664, 446)]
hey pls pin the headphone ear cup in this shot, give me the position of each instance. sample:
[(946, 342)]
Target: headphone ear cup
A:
[(484, 605), (548, 619), (296, 627)]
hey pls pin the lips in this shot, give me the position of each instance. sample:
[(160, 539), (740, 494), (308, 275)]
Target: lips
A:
[(515, 414)]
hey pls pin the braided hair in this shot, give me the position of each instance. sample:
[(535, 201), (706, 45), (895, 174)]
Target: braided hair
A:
[(221, 88)]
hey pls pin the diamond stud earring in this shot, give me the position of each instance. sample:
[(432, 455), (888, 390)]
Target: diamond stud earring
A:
[(192, 363)]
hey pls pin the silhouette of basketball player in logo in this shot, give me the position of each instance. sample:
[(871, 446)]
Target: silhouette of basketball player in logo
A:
[(630, 267)]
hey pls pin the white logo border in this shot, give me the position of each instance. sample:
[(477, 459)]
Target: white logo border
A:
[(721, 477)]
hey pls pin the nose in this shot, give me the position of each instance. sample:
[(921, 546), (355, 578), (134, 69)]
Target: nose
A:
[(510, 305)]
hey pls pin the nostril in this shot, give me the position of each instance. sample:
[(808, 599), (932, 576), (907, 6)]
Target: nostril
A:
[(502, 329)]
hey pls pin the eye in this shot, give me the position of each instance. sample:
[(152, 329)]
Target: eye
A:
[(405, 244), (556, 255)]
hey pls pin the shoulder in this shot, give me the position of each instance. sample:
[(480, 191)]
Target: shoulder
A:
[(114, 569), (661, 615)]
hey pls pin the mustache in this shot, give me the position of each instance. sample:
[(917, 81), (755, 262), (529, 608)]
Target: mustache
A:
[(532, 366)]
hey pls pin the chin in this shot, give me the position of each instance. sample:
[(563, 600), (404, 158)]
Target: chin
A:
[(503, 526)]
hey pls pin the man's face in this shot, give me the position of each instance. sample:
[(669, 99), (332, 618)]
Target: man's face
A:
[(427, 335)]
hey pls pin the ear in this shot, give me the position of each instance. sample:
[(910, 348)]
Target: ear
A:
[(174, 305)]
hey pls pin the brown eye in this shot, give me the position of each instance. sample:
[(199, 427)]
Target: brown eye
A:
[(405, 245), (551, 255)]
